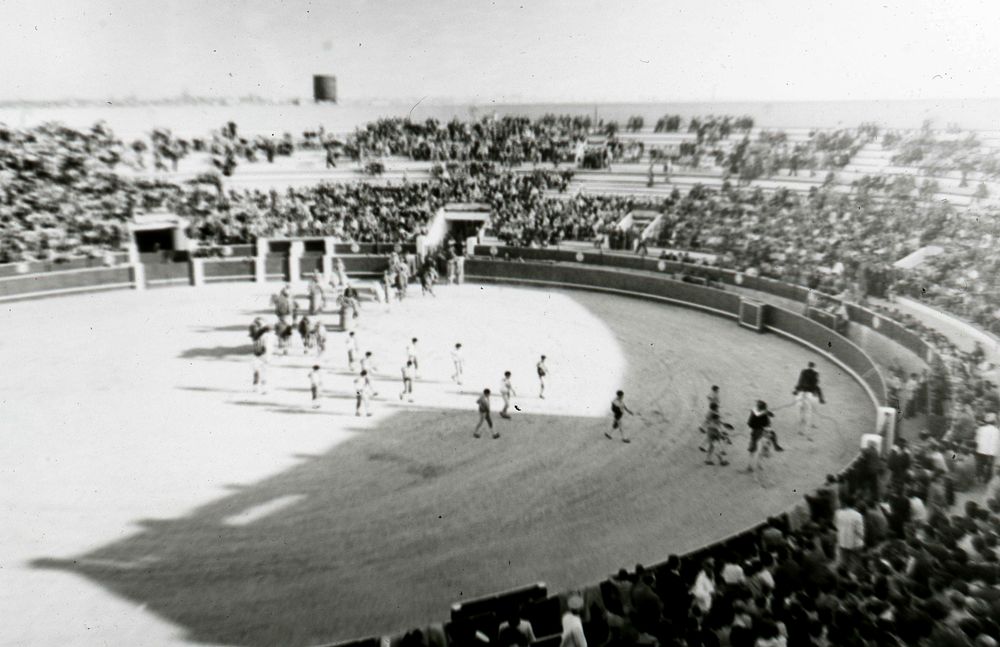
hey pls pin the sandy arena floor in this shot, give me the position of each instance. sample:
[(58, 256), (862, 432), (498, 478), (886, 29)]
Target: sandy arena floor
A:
[(147, 496)]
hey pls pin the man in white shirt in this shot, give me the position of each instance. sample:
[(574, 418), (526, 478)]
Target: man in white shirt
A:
[(918, 511), (987, 447), (368, 366), (263, 352), (352, 350), (362, 392), (850, 526), (315, 385), (572, 625), (506, 392), (543, 372), (459, 362), (408, 374), (411, 354)]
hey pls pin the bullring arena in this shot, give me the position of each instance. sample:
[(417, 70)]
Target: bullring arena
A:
[(499, 324), (158, 499)]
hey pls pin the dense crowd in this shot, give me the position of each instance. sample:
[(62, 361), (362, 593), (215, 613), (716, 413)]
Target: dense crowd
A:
[(357, 212), (937, 154), (875, 561), (509, 140), (880, 558), (61, 193)]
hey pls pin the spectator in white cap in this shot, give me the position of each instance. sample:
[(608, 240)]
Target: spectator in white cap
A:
[(572, 625), (987, 446)]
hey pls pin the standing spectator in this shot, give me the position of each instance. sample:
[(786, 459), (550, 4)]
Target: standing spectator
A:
[(876, 525), (572, 625), (675, 596), (704, 586), (647, 605), (899, 512), (772, 537), (732, 571), (987, 447), (936, 457), (899, 462), (850, 533), (937, 496), (869, 472), (918, 511), (826, 501), (317, 300), (623, 585)]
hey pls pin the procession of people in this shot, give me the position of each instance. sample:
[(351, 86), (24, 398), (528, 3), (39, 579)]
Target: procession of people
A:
[(269, 341)]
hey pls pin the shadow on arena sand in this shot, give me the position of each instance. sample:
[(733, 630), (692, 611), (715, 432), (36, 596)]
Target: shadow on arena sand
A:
[(397, 516), (381, 532)]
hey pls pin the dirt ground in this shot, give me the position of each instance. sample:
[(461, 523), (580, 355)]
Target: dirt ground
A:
[(148, 496)]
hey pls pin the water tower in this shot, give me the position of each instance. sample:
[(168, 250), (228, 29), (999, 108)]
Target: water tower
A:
[(324, 88)]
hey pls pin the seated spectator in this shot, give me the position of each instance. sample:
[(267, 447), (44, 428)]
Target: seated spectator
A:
[(732, 570), (515, 631), (647, 608)]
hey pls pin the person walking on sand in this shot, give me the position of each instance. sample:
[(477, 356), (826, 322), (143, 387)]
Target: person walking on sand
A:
[(263, 351), (352, 350), (362, 391), (368, 366), (618, 409), (483, 403), (713, 429), (315, 385), (411, 355), (408, 374), (543, 372), (459, 363), (506, 392)]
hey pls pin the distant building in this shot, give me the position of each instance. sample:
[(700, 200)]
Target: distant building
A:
[(324, 88)]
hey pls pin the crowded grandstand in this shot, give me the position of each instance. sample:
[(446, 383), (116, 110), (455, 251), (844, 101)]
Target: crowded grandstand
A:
[(879, 555)]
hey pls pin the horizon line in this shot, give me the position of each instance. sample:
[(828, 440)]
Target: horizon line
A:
[(187, 98)]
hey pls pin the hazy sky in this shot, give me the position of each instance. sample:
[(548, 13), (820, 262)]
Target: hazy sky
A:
[(672, 50)]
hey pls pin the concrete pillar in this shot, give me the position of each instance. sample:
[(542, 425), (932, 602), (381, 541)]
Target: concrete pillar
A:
[(181, 242), (327, 267), (260, 261), (329, 253), (138, 276), (133, 252), (470, 245), (197, 272), (295, 262), (886, 417)]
